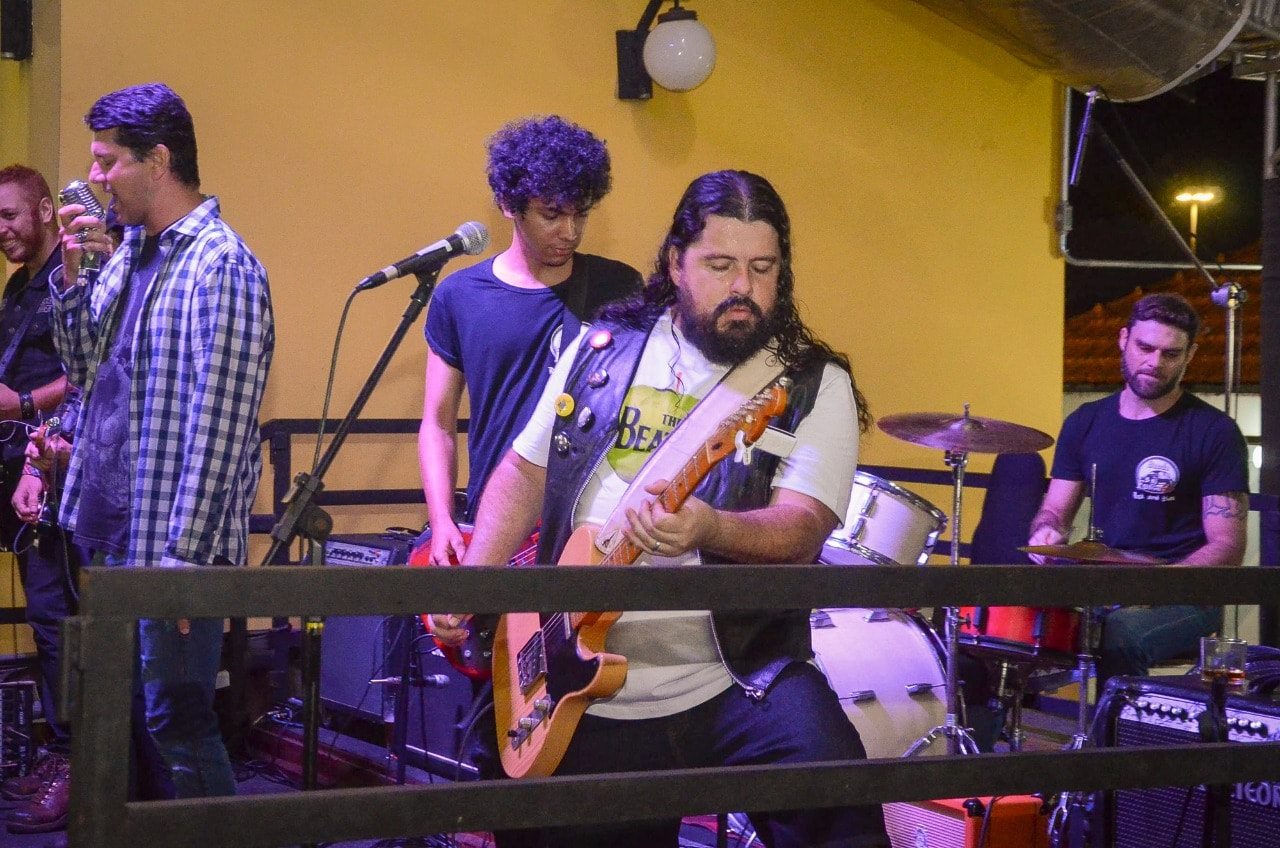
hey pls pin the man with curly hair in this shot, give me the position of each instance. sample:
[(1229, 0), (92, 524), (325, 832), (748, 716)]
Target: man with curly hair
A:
[(702, 688), (499, 326)]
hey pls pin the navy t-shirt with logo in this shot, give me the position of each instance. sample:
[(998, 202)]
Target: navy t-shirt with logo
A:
[(1153, 473), (505, 341)]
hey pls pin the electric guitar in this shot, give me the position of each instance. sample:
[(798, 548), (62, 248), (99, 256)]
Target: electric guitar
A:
[(474, 657), (548, 668)]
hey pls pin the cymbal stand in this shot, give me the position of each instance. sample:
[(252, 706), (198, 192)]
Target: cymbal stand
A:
[(1088, 636), (959, 738)]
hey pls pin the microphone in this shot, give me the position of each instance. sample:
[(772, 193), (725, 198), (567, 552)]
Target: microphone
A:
[(78, 191), (470, 238), (431, 681)]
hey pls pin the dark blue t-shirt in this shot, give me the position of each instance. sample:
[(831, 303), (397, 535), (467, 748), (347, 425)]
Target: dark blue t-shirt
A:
[(107, 472), (1153, 473), (505, 341)]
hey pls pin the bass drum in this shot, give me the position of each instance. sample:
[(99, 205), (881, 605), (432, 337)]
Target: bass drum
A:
[(887, 668)]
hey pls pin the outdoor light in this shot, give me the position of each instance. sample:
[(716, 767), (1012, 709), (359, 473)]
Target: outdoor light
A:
[(1197, 196), (679, 53)]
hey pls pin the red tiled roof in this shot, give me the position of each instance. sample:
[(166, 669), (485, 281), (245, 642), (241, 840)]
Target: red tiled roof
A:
[(1091, 359)]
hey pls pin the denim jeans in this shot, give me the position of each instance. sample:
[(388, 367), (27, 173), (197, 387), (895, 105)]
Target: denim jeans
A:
[(1133, 638), (179, 675), (799, 720)]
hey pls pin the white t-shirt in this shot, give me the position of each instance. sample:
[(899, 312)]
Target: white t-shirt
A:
[(673, 663)]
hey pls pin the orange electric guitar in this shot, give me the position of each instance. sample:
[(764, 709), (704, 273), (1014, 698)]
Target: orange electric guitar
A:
[(549, 667), (474, 657)]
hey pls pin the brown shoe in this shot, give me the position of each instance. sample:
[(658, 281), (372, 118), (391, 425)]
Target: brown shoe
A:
[(25, 787), (47, 811)]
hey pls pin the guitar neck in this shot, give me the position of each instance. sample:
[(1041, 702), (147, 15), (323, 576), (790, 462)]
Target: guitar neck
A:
[(671, 499)]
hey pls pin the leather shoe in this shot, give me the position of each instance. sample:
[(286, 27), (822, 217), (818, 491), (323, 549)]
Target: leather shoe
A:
[(47, 811), (26, 786)]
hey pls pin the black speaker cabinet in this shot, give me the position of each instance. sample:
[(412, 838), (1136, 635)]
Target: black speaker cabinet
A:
[(1164, 711), (363, 659), (15, 29)]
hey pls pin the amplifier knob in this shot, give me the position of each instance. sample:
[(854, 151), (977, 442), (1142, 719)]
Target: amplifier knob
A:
[(1255, 726)]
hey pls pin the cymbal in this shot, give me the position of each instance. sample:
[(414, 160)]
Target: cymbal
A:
[(1092, 552), (968, 433)]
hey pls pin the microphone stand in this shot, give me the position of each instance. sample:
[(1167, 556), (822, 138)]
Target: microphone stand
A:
[(302, 518), (1217, 807)]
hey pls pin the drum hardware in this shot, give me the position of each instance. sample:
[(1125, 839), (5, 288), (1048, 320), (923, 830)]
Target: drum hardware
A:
[(958, 437), (884, 525)]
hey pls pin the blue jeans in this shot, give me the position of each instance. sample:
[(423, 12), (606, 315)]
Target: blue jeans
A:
[(799, 720), (179, 675), (1133, 638)]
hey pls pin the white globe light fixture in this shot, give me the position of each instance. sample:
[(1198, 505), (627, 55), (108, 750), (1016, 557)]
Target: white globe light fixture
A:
[(679, 54)]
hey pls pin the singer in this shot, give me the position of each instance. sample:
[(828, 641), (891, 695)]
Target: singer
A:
[(31, 383), (172, 344)]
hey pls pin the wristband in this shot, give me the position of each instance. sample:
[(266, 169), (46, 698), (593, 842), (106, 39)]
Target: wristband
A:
[(32, 471), (28, 406)]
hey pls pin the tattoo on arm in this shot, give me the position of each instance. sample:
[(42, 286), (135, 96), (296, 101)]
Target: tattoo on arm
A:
[(1229, 505)]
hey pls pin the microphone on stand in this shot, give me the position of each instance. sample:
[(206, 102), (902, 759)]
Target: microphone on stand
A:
[(78, 191), (470, 238)]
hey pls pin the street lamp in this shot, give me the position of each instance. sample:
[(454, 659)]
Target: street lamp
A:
[(1196, 196)]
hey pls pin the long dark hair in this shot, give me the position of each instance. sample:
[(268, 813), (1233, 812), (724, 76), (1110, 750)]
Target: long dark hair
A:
[(746, 197)]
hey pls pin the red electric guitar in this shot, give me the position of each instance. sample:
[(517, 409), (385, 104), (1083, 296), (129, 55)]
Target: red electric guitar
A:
[(548, 668), (474, 657)]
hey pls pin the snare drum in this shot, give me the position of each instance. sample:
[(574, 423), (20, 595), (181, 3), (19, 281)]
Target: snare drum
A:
[(884, 525), (886, 666), (1023, 632)]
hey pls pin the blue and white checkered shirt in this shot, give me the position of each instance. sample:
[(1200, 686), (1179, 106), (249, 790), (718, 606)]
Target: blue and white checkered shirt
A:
[(200, 357)]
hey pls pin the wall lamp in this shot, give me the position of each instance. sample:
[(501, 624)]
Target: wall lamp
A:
[(678, 54)]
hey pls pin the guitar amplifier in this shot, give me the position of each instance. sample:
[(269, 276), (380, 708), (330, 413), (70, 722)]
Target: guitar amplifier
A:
[(388, 548), (362, 658), (1165, 710), (1013, 821)]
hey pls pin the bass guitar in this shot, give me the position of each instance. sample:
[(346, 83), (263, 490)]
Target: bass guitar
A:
[(474, 657), (548, 668)]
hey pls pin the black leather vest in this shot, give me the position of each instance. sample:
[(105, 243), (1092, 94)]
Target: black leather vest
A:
[(755, 645)]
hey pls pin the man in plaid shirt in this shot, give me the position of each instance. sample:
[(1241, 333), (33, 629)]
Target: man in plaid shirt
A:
[(171, 343)]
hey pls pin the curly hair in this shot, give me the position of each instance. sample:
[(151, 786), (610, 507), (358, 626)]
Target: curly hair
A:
[(144, 116), (746, 197), (547, 159)]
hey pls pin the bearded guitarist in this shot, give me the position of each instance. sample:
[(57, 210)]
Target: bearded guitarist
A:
[(701, 689)]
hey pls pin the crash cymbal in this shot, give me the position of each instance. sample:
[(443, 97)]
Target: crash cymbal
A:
[(1091, 552), (967, 433)]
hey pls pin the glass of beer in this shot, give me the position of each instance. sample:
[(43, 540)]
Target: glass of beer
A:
[(1223, 660)]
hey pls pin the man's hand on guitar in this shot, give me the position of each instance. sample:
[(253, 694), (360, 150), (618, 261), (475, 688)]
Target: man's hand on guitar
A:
[(670, 534), (449, 629), (448, 545)]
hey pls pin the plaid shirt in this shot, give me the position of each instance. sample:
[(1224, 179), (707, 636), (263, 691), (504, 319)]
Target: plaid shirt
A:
[(201, 352)]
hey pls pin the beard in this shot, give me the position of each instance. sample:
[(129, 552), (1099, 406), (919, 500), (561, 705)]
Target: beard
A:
[(736, 342), (1156, 392)]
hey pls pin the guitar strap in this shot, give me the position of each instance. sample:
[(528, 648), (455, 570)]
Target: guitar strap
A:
[(734, 390)]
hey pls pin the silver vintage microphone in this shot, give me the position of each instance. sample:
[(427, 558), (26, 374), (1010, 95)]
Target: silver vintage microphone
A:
[(78, 191)]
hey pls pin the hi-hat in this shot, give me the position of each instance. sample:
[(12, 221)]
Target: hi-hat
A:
[(964, 433), (1091, 552)]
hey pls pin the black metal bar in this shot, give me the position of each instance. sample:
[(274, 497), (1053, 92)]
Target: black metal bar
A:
[(102, 662), (387, 812), (351, 590)]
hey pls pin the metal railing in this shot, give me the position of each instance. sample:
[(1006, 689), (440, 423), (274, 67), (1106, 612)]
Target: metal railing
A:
[(100, 656)]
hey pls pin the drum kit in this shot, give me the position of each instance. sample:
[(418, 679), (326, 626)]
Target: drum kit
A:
[(885, 524)]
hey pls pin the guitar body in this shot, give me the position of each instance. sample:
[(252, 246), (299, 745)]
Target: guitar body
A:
[(548, 668), (474, 657)]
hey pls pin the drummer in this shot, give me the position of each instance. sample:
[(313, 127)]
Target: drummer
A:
[(1171, 482)]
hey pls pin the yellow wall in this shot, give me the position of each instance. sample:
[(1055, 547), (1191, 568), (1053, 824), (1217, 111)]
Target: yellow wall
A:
[(917, 160)]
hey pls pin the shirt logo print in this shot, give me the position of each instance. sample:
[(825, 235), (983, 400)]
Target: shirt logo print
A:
[(1156, 478)]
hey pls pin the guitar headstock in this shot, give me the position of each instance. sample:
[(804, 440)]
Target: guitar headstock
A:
[(750, 420)]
